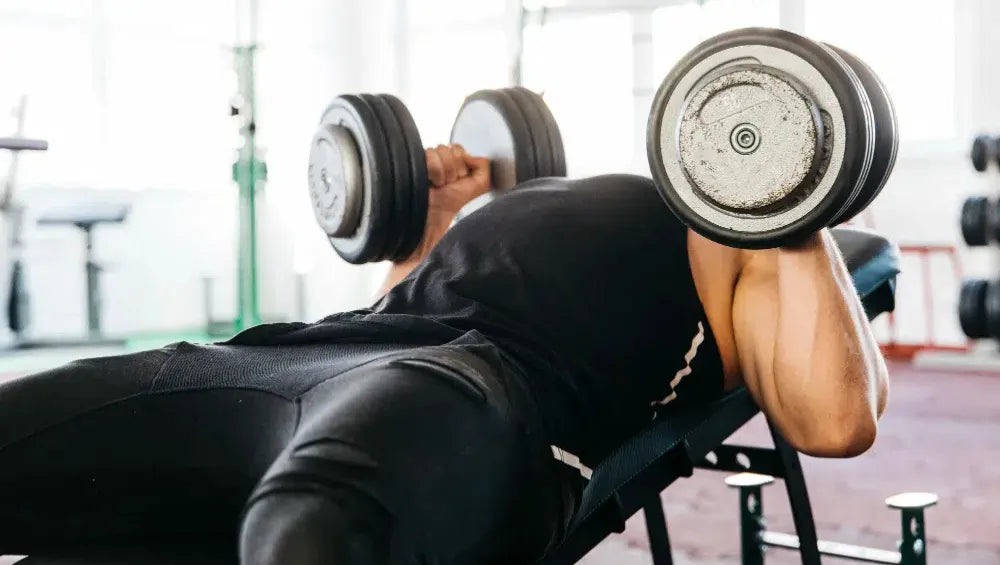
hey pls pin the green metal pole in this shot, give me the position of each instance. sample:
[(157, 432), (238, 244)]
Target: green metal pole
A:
[(247, 174)]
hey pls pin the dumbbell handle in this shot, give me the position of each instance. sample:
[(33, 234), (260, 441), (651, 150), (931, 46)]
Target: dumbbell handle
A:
[(23, 144)]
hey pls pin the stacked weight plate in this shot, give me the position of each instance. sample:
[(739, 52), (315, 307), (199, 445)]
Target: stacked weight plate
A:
[(760, 137)]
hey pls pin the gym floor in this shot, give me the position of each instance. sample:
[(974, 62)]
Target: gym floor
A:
[(940, 433)]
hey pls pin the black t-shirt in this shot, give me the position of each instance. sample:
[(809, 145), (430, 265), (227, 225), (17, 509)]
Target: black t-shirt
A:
[(582, 286), (587, 285)]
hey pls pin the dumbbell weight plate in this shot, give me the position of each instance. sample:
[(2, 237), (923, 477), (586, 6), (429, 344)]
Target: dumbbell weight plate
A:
[(360, 241), (992, 308), (392, 136), (886, 134), (490, 125), (336, 187), (975, 213), (982, 150), (972, 309), (419, 184), (748, 138), (552, 132), (537, 128)]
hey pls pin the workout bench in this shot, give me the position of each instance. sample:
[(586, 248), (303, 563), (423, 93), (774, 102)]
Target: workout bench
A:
[(633, 476)]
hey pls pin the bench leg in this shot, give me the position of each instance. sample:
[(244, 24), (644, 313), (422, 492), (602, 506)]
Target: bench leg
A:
[(798, 499), (656, 529)]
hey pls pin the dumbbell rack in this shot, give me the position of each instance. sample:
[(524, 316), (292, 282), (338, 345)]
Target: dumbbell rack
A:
[(979, 299)]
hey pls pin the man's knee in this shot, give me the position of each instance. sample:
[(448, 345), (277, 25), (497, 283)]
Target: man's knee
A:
[(336, 527)]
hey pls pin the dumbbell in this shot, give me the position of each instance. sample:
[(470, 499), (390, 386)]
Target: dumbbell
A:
[(760, 137), (979, 308), (368, 173), (985, 151), (980, 221)]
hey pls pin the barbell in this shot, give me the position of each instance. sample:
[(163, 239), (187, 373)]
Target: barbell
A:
[(368, 172), (759, 137)]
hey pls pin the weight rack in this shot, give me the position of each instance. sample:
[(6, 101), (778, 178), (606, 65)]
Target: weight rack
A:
[(979, 299)]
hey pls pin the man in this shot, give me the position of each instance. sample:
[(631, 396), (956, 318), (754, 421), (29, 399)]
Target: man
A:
[(559, 319)]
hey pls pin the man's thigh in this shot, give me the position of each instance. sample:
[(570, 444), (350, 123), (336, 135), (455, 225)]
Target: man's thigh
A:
[(432, 441), (88, 453)]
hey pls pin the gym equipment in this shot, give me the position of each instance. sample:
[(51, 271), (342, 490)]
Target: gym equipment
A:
[(23, 144), (976, 221), (86, 217), (368, 172), (12, 211), (972, 309), (754, 538), (627, 480), (250, 175), (632, 477), (984, 152), (759, 137), (530, 146)]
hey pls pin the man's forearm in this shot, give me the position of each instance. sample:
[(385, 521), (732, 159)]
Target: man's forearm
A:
[(828, 376), (437, 225), (823, 331)]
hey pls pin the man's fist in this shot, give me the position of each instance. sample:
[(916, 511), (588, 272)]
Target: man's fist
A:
[(456, 178)]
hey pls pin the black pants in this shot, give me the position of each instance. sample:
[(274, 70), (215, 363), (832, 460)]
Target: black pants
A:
[(307, 454)]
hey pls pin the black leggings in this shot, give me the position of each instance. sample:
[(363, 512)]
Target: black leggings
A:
[(306, 454)]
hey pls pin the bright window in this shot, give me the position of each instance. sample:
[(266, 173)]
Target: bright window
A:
[(588, 85), (677, 29), (447, 13), (439, 76), (915, 58)]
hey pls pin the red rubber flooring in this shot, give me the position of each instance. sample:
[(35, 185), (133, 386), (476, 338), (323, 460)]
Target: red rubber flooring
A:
[(940, 433)]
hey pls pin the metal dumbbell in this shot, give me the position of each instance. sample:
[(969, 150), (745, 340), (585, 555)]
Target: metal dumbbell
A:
[(759, 137), (368, 172)]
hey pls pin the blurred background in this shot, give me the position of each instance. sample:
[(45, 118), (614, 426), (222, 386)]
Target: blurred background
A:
[(134, 98), (143, 108)]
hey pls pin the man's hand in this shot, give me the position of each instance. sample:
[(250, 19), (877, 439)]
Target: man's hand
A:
[(456, 178)]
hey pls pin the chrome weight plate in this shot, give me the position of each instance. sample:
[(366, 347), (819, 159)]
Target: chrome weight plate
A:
[(759, 137), (361, 241), (336, 188)]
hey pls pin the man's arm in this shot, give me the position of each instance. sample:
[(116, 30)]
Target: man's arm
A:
[(806, 351), (456, 179)]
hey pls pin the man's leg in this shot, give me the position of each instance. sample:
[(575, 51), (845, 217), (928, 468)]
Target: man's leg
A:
[(91, 456), (407, 462)]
